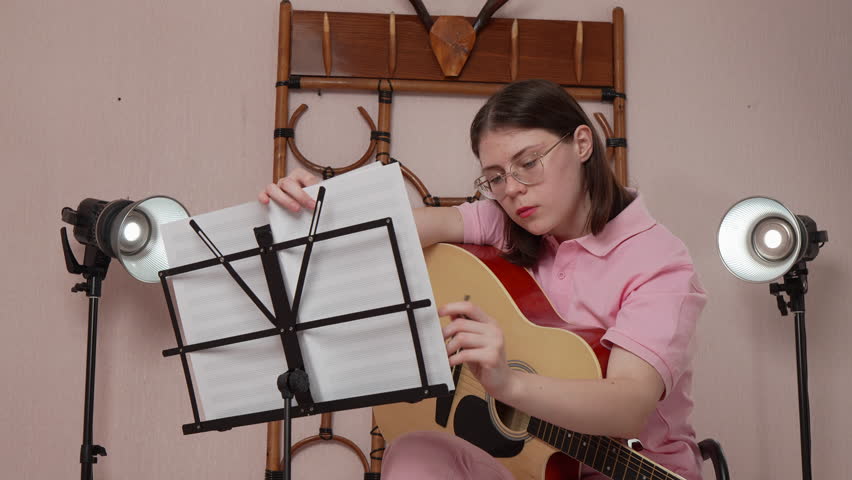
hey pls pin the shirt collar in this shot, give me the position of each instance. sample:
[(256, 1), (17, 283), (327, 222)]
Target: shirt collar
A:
[(633, 220)]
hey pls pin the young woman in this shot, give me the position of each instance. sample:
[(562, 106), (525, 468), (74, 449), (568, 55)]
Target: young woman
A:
[(620, 278)]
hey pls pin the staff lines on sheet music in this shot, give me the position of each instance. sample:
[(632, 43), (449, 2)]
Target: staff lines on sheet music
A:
[(370, 300), (306, 326), (214, 331), (231, 393), (226, 375), (346, 257), (375, 278), (390, 349), (237, 278), (229, 240), (211, 292)]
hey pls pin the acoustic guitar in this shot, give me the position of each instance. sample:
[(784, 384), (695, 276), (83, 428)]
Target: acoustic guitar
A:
[(529, 447)]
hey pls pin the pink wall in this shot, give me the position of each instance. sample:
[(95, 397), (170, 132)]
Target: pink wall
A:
[(726, 99)]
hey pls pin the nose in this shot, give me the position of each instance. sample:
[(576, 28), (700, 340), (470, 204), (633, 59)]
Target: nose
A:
[(514, 187)]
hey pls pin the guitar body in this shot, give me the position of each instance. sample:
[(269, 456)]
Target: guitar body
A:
[(510, 295)]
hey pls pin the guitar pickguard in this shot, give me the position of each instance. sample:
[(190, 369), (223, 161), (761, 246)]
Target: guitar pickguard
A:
[(472, 422)]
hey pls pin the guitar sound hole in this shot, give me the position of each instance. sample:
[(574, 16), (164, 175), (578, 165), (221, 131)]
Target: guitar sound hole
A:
[(511, 418)]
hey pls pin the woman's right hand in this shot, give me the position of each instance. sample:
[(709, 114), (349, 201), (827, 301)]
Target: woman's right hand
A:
[(288, 191)]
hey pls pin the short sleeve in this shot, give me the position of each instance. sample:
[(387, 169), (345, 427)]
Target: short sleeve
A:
[(484, 223), (657, 321)]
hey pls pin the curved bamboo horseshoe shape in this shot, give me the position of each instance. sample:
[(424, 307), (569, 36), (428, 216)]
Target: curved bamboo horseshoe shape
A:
[(612, 143), (326, 435), (610, 151), (428, 199), (328, 171)]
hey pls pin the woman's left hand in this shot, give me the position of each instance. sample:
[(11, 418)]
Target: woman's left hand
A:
[(476, 340)]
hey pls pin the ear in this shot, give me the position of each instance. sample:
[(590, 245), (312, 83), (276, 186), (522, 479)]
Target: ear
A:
[(583, 143)]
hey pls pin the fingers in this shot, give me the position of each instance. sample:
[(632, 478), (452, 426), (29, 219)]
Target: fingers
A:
[(288, 191), (303, 177), (263, 197), (465, 309), (289, 195), (481, 357), (465, 334), (459, 325), (477, 339), (467, 340)]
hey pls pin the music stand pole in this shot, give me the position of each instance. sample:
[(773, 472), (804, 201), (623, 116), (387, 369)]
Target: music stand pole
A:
[(290, 383)]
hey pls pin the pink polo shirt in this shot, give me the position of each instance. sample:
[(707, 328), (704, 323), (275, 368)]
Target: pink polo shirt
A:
[(633, 285)]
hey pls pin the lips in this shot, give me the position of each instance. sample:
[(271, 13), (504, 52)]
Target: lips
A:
[(525, 212)]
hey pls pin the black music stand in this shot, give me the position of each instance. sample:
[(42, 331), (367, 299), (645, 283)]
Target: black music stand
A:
[(294, 382)]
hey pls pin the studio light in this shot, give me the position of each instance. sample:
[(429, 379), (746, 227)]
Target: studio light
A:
[(129, 232), (759, 241)]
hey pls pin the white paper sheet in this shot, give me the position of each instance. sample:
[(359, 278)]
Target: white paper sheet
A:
[(345, 275)]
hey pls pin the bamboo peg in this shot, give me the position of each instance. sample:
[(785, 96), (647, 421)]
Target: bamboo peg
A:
[(618, 105), (392, 46), (515, 51), (326, 45), (578, 52), (282, 105), (383, 146), (273, 446), (325, 425)]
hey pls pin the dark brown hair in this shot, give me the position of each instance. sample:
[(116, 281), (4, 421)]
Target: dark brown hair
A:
[(545, 105)]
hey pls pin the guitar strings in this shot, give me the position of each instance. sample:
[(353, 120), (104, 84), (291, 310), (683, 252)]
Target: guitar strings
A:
[(633, 458), (635, 463)]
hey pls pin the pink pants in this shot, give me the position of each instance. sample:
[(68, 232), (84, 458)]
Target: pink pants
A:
[(439, 456)]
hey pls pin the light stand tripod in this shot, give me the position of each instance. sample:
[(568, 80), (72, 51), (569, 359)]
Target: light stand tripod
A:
[(94, 270)]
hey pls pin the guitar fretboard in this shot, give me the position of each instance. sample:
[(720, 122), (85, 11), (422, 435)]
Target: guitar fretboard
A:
[(604, 454)]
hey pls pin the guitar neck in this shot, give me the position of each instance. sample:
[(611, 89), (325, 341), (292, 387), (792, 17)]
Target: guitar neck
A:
[(604, 454)]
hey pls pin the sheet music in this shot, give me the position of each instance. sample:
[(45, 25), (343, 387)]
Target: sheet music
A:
[(345, 275)]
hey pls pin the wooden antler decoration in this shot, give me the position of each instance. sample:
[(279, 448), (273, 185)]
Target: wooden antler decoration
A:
[(452, 37)]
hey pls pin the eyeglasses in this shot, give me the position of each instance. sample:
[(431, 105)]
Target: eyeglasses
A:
[(527, 170)]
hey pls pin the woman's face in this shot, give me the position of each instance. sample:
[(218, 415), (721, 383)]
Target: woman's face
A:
[(557, 204)]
